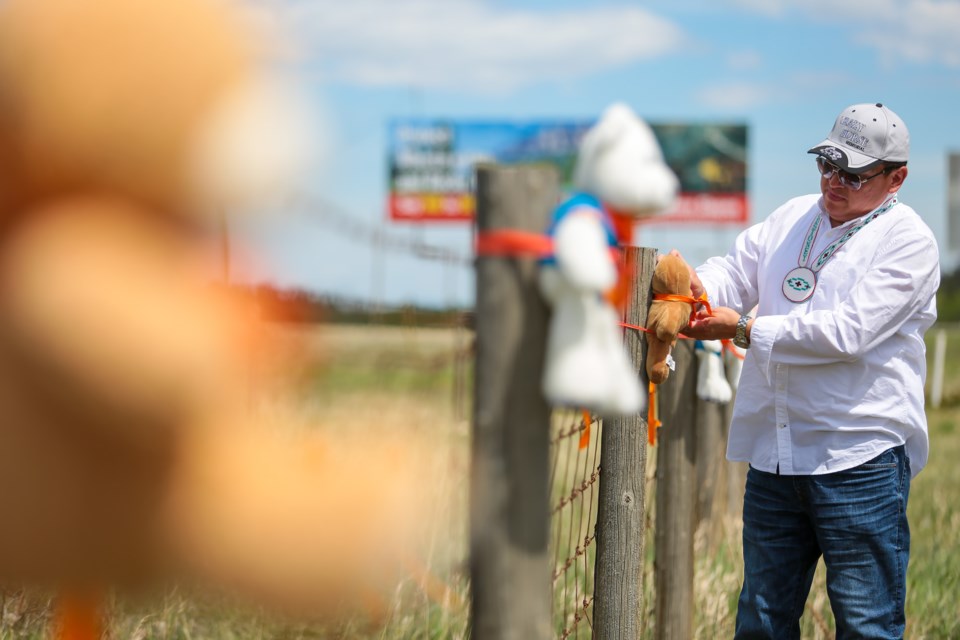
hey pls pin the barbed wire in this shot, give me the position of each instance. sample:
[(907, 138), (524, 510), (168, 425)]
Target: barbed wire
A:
[(574, 479), (338, 219), (578, 615)]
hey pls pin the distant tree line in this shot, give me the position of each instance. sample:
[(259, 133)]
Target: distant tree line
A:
[(294, 305)]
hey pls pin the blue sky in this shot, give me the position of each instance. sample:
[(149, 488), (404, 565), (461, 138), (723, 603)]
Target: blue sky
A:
[(785, 68)]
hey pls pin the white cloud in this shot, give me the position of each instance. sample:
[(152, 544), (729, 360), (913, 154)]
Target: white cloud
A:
[(765, 7), (921, 31), (469, 44), (925, 31), (737, 96), (741, 96)]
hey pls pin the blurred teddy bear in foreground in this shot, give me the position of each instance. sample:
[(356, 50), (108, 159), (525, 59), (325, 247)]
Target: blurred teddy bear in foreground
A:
[(620, 176), (129, 453)]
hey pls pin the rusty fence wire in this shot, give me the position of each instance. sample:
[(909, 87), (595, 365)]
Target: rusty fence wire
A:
[(574, 486)]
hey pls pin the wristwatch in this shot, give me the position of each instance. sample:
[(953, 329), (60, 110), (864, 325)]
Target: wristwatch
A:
[(740, 337)]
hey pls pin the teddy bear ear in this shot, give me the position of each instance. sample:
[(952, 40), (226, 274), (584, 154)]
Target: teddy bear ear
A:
[(671, 275), (253, 147), (604, 134), (162, 101), (621, 162), (616, 121)]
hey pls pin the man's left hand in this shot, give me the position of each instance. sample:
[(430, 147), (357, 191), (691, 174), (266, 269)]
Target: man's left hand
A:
[(722, 325)]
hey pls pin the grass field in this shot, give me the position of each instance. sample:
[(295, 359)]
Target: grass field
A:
[(411, 378)]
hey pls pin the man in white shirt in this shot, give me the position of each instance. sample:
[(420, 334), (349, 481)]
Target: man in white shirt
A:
[(829, 411)]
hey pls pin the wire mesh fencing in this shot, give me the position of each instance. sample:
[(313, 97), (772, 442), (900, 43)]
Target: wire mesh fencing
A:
[(574, 483)]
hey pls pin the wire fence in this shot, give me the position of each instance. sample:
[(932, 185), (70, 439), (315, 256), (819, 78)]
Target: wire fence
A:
[(574, 482)]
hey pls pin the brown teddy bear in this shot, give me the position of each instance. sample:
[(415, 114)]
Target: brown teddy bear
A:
[(129, 451), (668, 315)]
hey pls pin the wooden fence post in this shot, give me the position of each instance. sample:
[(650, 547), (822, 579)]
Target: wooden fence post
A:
[(510, 512), (735, 473), (711, 448), (618, 573), (676, 498), (939, 358)]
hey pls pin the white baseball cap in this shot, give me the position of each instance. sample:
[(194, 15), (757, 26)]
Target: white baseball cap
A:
[(863, 136)]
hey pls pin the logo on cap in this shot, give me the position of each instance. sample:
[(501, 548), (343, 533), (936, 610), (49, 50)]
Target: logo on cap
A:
[(832, 152)]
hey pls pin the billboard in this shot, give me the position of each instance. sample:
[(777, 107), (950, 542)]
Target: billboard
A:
[(431, 164)]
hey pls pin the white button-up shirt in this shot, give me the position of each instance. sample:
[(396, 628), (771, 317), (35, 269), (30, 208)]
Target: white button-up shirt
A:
[(833, 381)]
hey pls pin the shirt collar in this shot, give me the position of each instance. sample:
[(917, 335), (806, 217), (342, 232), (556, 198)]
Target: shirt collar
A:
[(853, 221)]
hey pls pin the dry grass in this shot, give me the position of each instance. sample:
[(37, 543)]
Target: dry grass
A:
[(346, 382), (393, 380)]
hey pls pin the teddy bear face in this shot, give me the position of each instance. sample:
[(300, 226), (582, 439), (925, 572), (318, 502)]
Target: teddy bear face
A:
[(671, 276), (620, 161), (137, 99)]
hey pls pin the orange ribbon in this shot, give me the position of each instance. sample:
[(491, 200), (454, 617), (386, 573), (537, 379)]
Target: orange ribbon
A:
[(77, 617), (516, 243), (653, 422), (645, 330), (693, 302), (513, 242), (585, 434), (728, 346)]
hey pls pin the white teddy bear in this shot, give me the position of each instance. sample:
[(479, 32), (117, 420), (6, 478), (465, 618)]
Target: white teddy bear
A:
[(620, 171), (734, 364), (712, 384)]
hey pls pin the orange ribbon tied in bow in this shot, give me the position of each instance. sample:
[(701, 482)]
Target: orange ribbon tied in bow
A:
[(693, 302)]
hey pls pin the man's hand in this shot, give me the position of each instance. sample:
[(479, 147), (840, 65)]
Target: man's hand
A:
[(722, 325)]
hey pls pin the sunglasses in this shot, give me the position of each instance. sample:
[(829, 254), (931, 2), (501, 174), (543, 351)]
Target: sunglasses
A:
[(847, 179)]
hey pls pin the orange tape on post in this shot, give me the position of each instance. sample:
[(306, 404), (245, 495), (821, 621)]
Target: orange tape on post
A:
[(513, 243), (585, 434), (653, 423)]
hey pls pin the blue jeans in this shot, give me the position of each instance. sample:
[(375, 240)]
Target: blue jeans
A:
[(856, 519)]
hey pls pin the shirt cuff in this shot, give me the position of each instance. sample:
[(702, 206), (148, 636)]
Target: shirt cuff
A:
[(763, 331)]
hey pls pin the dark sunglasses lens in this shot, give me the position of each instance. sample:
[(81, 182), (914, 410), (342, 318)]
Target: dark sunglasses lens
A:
[(849, 179)]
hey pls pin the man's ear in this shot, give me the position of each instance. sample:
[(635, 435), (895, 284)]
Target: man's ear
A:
[(898, 175)]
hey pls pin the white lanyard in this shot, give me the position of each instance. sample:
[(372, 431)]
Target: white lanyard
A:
[(798, 285)]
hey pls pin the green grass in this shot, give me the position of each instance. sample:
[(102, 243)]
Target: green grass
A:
[(933, 579), (951, 368)]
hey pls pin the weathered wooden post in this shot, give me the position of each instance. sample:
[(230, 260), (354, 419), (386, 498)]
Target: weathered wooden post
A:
[(510, 512), (618, 573), (711, 446), (735, 473), (676, 498)]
